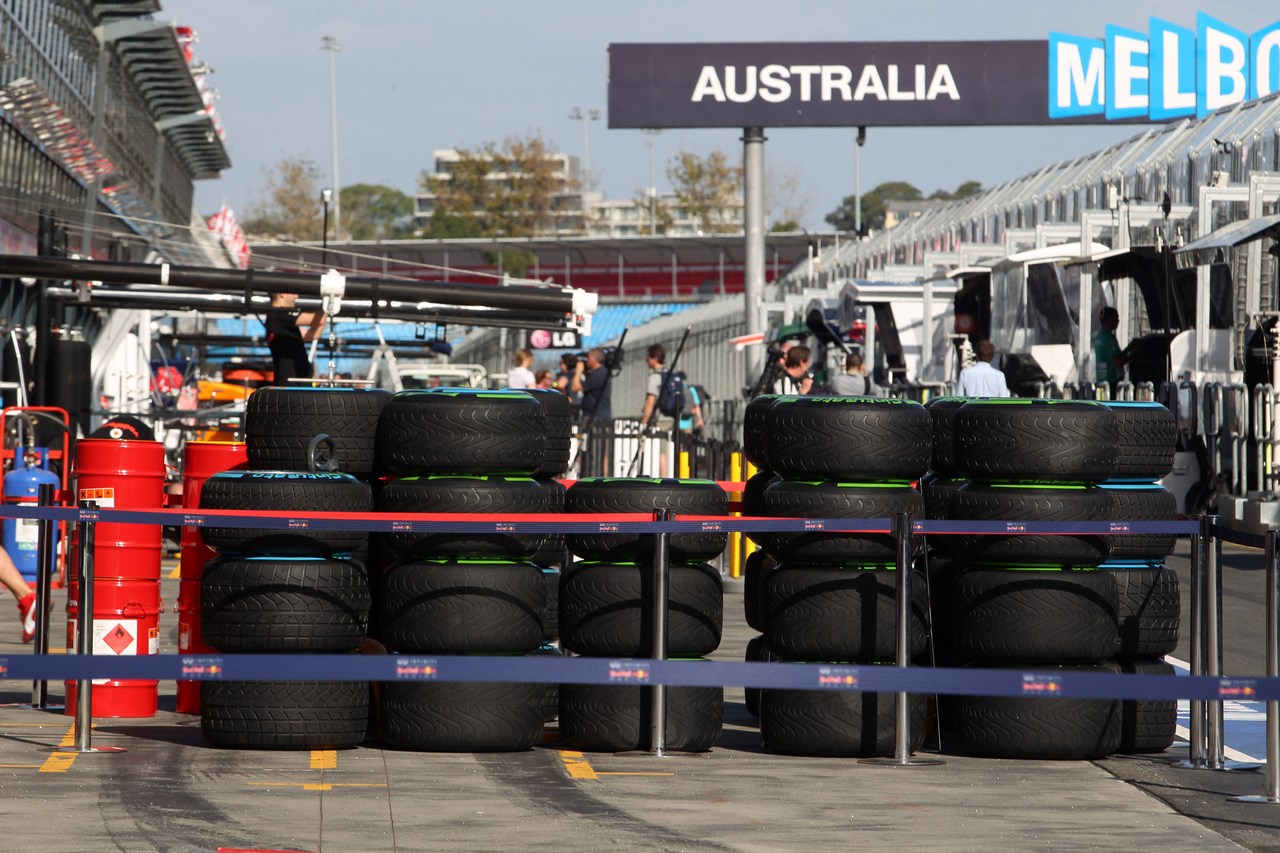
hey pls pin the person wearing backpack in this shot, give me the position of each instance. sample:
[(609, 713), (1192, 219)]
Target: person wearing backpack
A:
[(854, 382), (662, 390)]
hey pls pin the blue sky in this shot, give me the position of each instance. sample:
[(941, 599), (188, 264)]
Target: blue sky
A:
[(414, 76)]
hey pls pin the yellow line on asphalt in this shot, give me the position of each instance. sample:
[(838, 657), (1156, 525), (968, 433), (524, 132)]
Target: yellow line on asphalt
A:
[(19, 766), (313, 786), (60, 762), (630, 773), (324, 759), (177, 571), (26, 725), (576, 765)]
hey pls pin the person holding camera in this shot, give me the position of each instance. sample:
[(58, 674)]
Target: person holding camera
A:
[(591, 382), (796, 377), (564, 377)]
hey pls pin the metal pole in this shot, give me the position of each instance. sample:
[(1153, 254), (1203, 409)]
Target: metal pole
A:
[(1213, 643), (45, 546), (1271, 790), (84, 631), (902, 722), (1198, 747), (658, 692), (753, 254), (330, 44)]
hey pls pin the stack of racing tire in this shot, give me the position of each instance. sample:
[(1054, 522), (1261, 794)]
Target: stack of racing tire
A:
[(1148, 598), (1029, 601), (301, 590), (457, 592), (822, 596), (606, 608)]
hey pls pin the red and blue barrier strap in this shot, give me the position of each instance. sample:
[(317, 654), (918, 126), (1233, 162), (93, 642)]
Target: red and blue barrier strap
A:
[(1049, 683), (383, 522)]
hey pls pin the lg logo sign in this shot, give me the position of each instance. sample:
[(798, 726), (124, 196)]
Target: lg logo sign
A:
[(561, 339)]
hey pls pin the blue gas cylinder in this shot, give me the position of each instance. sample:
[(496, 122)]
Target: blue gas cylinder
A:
[(22, 486)]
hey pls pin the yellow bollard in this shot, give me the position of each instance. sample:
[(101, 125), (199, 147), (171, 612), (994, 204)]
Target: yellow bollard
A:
[(684, 464), (735, 538), (750, 546)]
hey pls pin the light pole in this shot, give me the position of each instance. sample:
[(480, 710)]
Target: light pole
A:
[(330, 44), (857, 182), (585, 116), (326, 196), (651, 134)]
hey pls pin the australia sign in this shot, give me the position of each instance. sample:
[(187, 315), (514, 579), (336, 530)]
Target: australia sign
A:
[(1126, 76)]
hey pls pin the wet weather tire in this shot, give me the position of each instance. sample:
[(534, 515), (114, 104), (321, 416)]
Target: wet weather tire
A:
[(795, 499), (284, 714), (250, 491), (1039, 616), (463, 431), (457, 608), (462, 717), (557, 413), (1147, 502), (943, 412), (1149, 609), (1146, 438), (872, 439), (1147, 725), (840, 723), (280, 423), (480, 494), (839, 613), (1060, 441), (605, 610), (982, 502), (299, 605), (754, 574), (616, 717), (626, 495)]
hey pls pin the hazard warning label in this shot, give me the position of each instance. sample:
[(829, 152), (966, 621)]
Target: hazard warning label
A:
[(105, 498), (115, 637)]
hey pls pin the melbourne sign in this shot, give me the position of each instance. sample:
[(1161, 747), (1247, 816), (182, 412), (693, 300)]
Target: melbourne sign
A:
[(1126, 76)]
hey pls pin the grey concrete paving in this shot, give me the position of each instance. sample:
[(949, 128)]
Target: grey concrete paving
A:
[(169, 792)]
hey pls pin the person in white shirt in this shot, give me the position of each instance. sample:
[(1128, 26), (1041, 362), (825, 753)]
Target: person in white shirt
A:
[(982, 380), (520, 376)]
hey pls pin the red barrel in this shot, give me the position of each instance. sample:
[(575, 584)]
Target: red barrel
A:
[(201, 460), (123, 475), (126, 621)]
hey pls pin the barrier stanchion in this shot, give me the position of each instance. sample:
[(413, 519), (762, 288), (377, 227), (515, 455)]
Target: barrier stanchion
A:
[(658, 692), (84, 638), (1197, 751), (46, 548), (902, 724), (1215, 737), (1271, 790)]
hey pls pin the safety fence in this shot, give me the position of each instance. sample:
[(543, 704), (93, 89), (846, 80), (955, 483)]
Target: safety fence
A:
[(1206, 687)]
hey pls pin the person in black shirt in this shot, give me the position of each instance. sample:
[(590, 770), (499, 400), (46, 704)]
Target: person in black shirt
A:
[(287, 341)]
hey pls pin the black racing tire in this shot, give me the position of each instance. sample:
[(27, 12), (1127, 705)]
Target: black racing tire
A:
[(638, 494), (284, 714), (1141, 502), (753, 491), (987, 502), (1038, 616), (938, 491), (1146, 439), (552, 552), (605, 610), (455, 716), (836, 723), (758, 651), (616, 717), (755, 429), (943, 575), (550, 605), (755, 573), (943, 411), (1149, 609), (1026, 440), (284, 605), (845, 613), (1147, 725), (557, 413), (873, 439), (463, 431), (463, 607), (1036, 727), (797, 499), (471, 495), (251, 491), (280, 423)]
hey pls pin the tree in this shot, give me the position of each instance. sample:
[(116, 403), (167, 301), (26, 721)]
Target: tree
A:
[(873, 205), (290, 207), (508, 190), (786, 199), (664, 213), (708, 189), (376, 212), (447, 226)]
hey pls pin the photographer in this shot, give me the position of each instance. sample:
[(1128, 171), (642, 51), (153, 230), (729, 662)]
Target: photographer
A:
[(591, 382), (796, 377)]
